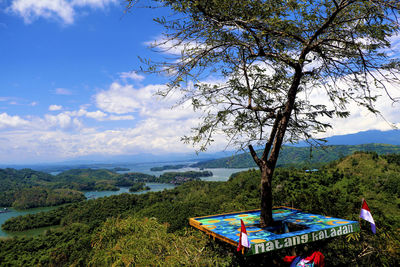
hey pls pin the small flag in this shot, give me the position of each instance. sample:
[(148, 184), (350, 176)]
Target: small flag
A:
[(366, 215), (243, 239)]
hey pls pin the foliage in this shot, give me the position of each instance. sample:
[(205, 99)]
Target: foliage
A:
[(268, 56), (41, 197), (67, 246), (301, 157), (145, 242), (335, 190), (168, 167), (166, 177), (26, 188), (138, 187)]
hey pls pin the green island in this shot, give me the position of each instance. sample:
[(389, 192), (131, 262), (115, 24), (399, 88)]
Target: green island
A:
[(26, 188), (137, 187), (167, 177), (117, 230), (168, 167)]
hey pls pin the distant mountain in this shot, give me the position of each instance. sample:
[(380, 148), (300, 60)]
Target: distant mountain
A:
[(300, 156), (391, 137)]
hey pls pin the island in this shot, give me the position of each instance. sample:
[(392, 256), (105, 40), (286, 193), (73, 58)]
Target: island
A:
[(26, 188), (168, 167), (137, 187)]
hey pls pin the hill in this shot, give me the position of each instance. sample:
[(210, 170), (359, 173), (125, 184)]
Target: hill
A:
[(302, 157), (366, 137), (105, 229)]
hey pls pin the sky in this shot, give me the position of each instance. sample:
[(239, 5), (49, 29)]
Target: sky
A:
[(70, 85)]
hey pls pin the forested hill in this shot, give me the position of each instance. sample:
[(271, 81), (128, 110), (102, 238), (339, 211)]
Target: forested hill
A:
[(115, 230), (302, 157)]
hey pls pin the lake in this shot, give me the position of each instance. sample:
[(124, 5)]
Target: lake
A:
[(219, 175)]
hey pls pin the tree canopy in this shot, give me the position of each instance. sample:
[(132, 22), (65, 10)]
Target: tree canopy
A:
[(266, 57)]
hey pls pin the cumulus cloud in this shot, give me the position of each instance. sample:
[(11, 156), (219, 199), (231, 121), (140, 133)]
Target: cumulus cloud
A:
[(61, 10), (7, 121), (55, 107), (30, 10), (156, 128), (360, 118), (62, 120), (121, 99), (131, 75)]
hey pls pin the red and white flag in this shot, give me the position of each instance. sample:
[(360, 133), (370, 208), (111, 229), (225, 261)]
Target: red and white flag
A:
[(243, 239), (366, 215)]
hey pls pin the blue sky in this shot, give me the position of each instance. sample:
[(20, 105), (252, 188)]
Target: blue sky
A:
[(68, 86)]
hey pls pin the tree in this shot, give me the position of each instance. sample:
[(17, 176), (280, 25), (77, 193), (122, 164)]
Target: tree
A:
[(269, 55)]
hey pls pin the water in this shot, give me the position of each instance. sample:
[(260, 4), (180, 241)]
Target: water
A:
[(14, 213), (219, 174), (154, 187)]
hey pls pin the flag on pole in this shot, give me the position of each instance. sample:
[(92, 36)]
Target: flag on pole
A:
[(243, 239), (366, 215)]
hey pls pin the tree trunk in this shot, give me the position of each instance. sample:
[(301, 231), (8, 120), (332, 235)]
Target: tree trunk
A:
[(271, 151), (266, 197)]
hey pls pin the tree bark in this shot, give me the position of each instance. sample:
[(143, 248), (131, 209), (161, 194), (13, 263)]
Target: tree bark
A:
[(270, 155), (266, 197)]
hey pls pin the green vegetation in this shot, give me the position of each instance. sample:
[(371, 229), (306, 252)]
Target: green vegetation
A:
[(145, 242), (335, 190), (269, 56), (119, 169), (26, 188), (138, 187), (42, 197), (300, 157), (168, 167), (182, 177), (167, 177)]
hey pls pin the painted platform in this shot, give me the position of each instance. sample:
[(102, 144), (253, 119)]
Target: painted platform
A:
[(297, 228)]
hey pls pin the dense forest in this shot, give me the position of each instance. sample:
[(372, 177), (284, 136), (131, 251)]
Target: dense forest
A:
[(114, 230), (300, 157), (27, 188), (168, 167)]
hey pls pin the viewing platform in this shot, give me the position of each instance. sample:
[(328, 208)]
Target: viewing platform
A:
[(293, 227)]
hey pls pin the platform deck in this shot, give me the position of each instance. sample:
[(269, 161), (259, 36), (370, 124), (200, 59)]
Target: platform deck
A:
[(296, 228)]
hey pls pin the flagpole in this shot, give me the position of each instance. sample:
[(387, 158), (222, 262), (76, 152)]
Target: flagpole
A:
[(359, 218)]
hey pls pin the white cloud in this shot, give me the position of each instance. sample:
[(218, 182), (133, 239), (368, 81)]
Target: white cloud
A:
[(30, 10), (121, 99), (120, 118), (62, 91), (131, 75), (7, 121), (156, 128), (360, 118), (61, 10), (98, 115), (63, 121), (93, 3), (55, 107)]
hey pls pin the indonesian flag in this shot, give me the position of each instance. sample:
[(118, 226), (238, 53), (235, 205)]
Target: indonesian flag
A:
[(243, 240), (366, 215)]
